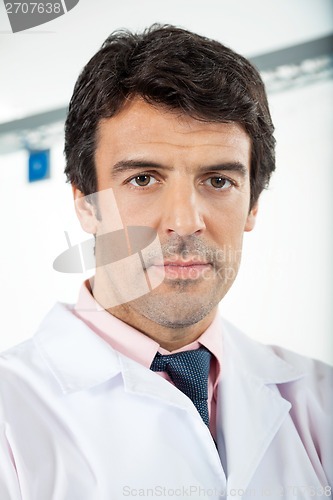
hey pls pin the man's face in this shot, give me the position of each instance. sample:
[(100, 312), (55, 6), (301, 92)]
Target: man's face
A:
[(189, 180)]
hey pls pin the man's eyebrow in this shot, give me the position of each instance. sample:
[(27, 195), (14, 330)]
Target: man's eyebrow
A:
[(230, 166), (123, 165)]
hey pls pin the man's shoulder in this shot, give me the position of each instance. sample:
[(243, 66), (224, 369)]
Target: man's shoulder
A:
[(64, 354)]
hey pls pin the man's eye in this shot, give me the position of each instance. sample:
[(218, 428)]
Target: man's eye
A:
[(143, 180), (219, 182)]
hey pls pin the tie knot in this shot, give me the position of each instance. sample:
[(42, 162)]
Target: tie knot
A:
[(189, 371)]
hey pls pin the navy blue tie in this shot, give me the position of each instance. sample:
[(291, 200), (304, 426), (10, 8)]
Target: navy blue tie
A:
[(189, 372)]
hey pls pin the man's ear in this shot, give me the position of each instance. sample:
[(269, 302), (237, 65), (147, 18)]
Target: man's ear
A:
[(85, 211), (251, 218)]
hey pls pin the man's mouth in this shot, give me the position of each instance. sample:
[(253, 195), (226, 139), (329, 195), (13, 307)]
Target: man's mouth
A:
[(189, 268)]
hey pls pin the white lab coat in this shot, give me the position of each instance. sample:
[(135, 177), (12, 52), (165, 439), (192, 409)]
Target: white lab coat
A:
[(79, 421)]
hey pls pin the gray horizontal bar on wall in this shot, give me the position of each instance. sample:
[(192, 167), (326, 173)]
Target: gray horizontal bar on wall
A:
[(294, 54), (264, 62), (34, 121)]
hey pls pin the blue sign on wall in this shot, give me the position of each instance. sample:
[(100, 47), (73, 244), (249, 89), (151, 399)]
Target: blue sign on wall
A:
[(39, 165)]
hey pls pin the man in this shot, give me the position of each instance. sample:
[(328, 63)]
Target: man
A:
[(141, 389)]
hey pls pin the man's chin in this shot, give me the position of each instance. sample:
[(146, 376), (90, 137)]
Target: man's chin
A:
[(174, 310)]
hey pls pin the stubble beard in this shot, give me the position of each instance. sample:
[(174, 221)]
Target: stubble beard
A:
[(179, 303)]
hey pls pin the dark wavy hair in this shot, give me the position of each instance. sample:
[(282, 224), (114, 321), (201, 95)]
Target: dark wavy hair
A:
[(179, 70)]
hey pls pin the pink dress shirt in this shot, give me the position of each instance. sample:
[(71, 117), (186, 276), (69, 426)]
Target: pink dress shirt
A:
[(137, 346)]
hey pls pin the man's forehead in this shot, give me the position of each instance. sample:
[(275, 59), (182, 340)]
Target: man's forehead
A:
[(141, 122)]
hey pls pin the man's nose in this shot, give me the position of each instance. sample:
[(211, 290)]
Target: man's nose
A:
[(182, 210)]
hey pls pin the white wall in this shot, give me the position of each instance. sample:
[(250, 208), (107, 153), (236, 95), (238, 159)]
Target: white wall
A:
[(282, 294)]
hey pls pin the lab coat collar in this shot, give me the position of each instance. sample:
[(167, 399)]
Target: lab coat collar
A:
[(250, 408), (254, 359), (77, 357)]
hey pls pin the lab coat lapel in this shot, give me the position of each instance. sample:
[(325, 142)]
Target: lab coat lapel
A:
[(137, 379), (250, 410)]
